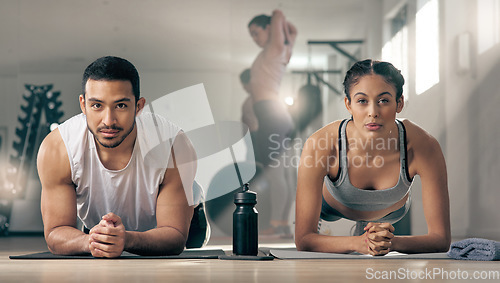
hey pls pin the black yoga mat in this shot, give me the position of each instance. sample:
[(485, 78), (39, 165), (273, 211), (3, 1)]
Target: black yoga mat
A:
[(187, 254)]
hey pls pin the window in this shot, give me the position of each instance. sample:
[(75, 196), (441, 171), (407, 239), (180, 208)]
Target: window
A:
[(427, 45), (488, 17), (396, 49)]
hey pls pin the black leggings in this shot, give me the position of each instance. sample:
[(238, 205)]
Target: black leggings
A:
[(275, 125)]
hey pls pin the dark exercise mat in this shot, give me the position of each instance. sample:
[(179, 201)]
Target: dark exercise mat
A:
[(294, 254), (187, 254), (262, 255)]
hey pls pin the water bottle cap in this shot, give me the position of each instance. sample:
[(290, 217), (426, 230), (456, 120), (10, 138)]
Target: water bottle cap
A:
[(245, 197)]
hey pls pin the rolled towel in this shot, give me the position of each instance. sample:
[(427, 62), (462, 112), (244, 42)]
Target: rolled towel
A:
[(475, 249)]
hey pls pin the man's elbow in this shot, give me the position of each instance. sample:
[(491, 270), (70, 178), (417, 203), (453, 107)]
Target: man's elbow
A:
[(178, 249), (170, 250), (174, 246), (54, 249), (178, 245), (51, 249), (50, 245)]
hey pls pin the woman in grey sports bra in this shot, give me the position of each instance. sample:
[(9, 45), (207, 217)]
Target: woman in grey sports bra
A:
[(362, 169)]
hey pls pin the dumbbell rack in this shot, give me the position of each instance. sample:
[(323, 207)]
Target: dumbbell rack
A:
[(34, 126)]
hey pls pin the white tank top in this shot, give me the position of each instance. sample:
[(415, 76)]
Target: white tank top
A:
[(266, 74), (131, 192)]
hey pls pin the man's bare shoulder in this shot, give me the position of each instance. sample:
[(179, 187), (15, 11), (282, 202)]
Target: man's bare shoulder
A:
[(53, 143), (53, 157)]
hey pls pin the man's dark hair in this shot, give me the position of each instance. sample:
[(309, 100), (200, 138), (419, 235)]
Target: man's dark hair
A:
[(110, 68), (261, 21)]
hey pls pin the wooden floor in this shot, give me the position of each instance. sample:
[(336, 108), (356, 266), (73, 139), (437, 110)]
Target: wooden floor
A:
[(214, 270)]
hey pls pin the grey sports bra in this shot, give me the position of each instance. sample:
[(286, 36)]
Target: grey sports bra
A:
[(368, 200)]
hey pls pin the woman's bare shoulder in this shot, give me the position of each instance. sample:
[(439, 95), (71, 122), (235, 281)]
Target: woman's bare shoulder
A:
[(330, 130), (324, 138), (418, 138)]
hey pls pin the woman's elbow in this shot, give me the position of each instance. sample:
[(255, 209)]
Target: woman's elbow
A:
[(301, 243), (443, 244), (300, 246)]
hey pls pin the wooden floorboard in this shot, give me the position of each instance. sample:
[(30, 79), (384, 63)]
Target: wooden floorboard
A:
[(213, 270)]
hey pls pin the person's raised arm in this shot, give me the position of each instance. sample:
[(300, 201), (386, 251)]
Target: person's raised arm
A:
[(277, 36), (173, 212), (290, 36), (58, 201), (431, 167)]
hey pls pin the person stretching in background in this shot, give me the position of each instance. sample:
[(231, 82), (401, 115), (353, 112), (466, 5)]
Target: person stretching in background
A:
[(272, 123)]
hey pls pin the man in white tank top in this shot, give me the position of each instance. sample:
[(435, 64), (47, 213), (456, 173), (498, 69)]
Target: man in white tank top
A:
[(113, 167)]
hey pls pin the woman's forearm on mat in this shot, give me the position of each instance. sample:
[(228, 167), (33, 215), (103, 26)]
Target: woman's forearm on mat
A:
[(329, 244), (420, 244)]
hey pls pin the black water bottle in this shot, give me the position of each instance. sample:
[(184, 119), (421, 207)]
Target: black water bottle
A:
[(245, 225)]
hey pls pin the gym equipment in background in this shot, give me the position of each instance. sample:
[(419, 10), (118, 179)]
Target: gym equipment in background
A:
[(42, 110), (34, 127), (335, 44), (307, 106)]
